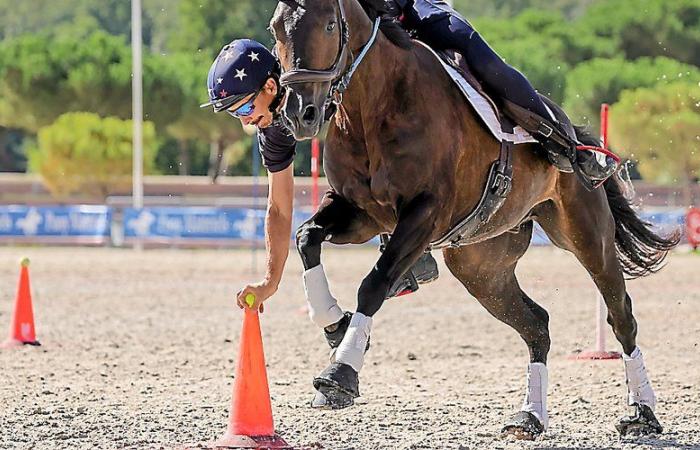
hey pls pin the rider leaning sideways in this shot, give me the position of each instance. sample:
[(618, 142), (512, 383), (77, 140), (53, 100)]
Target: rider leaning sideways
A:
[(244, 82)]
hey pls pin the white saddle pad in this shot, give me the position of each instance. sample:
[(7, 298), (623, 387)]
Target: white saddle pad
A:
[(483, 106)]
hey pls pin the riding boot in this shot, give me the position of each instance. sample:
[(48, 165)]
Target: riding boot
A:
[(562, 152), (561, 146), (423, 271)]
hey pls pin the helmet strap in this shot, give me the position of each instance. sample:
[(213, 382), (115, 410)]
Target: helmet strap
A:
[(278, 98)]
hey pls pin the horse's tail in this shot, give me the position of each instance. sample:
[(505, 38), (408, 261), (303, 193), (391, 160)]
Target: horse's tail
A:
[(640, 251)]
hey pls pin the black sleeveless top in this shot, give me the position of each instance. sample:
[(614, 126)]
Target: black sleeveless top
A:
[(277, 146)]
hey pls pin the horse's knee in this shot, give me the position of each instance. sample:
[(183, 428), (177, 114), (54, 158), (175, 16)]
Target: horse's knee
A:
[(309, 237)]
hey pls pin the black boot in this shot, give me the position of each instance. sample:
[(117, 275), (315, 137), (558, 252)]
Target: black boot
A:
[(562, 152), (559, 141), (592, 168), (423, 271)]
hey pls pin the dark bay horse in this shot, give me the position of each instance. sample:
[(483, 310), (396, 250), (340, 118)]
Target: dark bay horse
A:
[(408, 156)]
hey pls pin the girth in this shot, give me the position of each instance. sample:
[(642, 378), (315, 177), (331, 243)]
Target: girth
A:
[(498, 185)]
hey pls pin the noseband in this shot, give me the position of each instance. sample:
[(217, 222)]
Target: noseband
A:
[(339, 78)]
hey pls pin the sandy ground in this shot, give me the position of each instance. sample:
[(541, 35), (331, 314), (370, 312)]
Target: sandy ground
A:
[(139, 351)]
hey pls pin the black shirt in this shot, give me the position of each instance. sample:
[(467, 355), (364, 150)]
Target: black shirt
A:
[(277, 146)]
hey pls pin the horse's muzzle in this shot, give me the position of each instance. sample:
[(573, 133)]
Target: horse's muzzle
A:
[(304, 118)]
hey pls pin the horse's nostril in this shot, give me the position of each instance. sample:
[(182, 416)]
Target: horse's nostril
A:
[(309, 114)]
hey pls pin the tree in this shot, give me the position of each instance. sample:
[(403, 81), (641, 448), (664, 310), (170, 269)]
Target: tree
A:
[(41, 78), (602, 80), (660, 127), (82, 152), (542, 45), (647, 28), (511, 8), (221, 131), (208, 25)]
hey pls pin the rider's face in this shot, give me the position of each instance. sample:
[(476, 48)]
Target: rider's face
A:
[(261, 115)]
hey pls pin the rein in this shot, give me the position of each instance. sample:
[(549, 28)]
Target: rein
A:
[(339, 78)]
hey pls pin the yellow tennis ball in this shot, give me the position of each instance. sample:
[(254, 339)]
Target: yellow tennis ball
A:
[(250, 299)]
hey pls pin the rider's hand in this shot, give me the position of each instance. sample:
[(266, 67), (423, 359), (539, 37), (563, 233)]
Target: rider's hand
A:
[(262, 291)]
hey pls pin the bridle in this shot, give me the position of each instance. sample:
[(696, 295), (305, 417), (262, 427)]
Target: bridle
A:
[(337, 75)]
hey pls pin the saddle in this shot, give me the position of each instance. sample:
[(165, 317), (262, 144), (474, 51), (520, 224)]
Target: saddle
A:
[(510, 124), (527, 123)]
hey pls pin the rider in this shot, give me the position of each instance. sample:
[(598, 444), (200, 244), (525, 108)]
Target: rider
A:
[(441, 27), (244, 82)]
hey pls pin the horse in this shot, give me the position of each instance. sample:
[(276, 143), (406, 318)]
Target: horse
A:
[(407, 155)]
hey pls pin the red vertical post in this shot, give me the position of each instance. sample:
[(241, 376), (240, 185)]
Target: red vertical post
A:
[(604, 110), (315, 157)]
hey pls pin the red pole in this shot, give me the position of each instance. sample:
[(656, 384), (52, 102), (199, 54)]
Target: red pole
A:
[(601, 310), (315, 156), (604, 110)]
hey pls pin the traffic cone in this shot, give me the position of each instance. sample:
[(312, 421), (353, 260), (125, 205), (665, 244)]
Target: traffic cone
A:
[(250, 419), (22, 327)]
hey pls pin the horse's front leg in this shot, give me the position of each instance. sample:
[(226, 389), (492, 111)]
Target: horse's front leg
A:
[(339, 220), (339, 383)]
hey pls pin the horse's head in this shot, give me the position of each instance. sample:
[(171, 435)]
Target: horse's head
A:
[(312, 46)]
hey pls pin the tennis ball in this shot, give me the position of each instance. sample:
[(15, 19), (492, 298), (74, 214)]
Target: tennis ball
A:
[(250, 299)]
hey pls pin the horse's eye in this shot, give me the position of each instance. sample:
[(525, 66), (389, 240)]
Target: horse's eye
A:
[(330, 27)]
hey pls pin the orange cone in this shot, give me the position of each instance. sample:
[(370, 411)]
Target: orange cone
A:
[(250, 419), (22, 327)]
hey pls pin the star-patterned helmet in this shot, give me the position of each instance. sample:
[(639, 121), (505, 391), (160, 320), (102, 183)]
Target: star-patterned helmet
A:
[(241, 69)]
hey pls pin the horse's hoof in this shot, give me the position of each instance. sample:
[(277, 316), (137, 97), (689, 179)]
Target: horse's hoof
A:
[(339, 384), (523, 426), (321, 402), (642, 422)]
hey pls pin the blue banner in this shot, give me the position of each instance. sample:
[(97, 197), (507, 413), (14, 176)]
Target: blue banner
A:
[(36, 222), (167, 224)]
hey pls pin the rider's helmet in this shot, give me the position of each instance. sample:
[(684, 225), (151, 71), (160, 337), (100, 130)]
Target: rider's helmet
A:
[(241, 68)]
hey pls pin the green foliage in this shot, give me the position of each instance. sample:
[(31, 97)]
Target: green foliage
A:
[(510, 8), (660, 126), (648, 28), (602, 80), (211, 24), (82, 152), (39, 82), (58, 56)]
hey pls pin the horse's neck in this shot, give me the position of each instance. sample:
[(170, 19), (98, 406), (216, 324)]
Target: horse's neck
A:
[(369, 84)]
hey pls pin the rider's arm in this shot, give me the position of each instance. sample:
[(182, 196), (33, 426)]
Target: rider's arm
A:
[(278, 224), (277, 148)]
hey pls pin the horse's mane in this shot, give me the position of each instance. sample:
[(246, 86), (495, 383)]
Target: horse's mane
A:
[(389, 25)]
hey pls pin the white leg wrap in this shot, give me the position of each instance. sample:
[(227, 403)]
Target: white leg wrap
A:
[(323, 307), (352, 350), (536, 394), (638, 385)]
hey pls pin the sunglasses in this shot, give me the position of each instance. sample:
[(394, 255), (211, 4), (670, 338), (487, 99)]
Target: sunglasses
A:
[(245, 109)]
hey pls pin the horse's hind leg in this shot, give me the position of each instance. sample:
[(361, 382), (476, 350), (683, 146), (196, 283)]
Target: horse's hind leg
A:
[(487, 270), (587, 229)]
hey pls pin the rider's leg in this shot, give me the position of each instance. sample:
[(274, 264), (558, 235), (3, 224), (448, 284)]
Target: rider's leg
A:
[(453, 32)]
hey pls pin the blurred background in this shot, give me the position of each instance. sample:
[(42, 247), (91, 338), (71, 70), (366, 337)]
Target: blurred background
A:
[(66, 109)]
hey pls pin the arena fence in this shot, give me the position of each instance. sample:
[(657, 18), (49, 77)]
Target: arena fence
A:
[(178, 226)]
